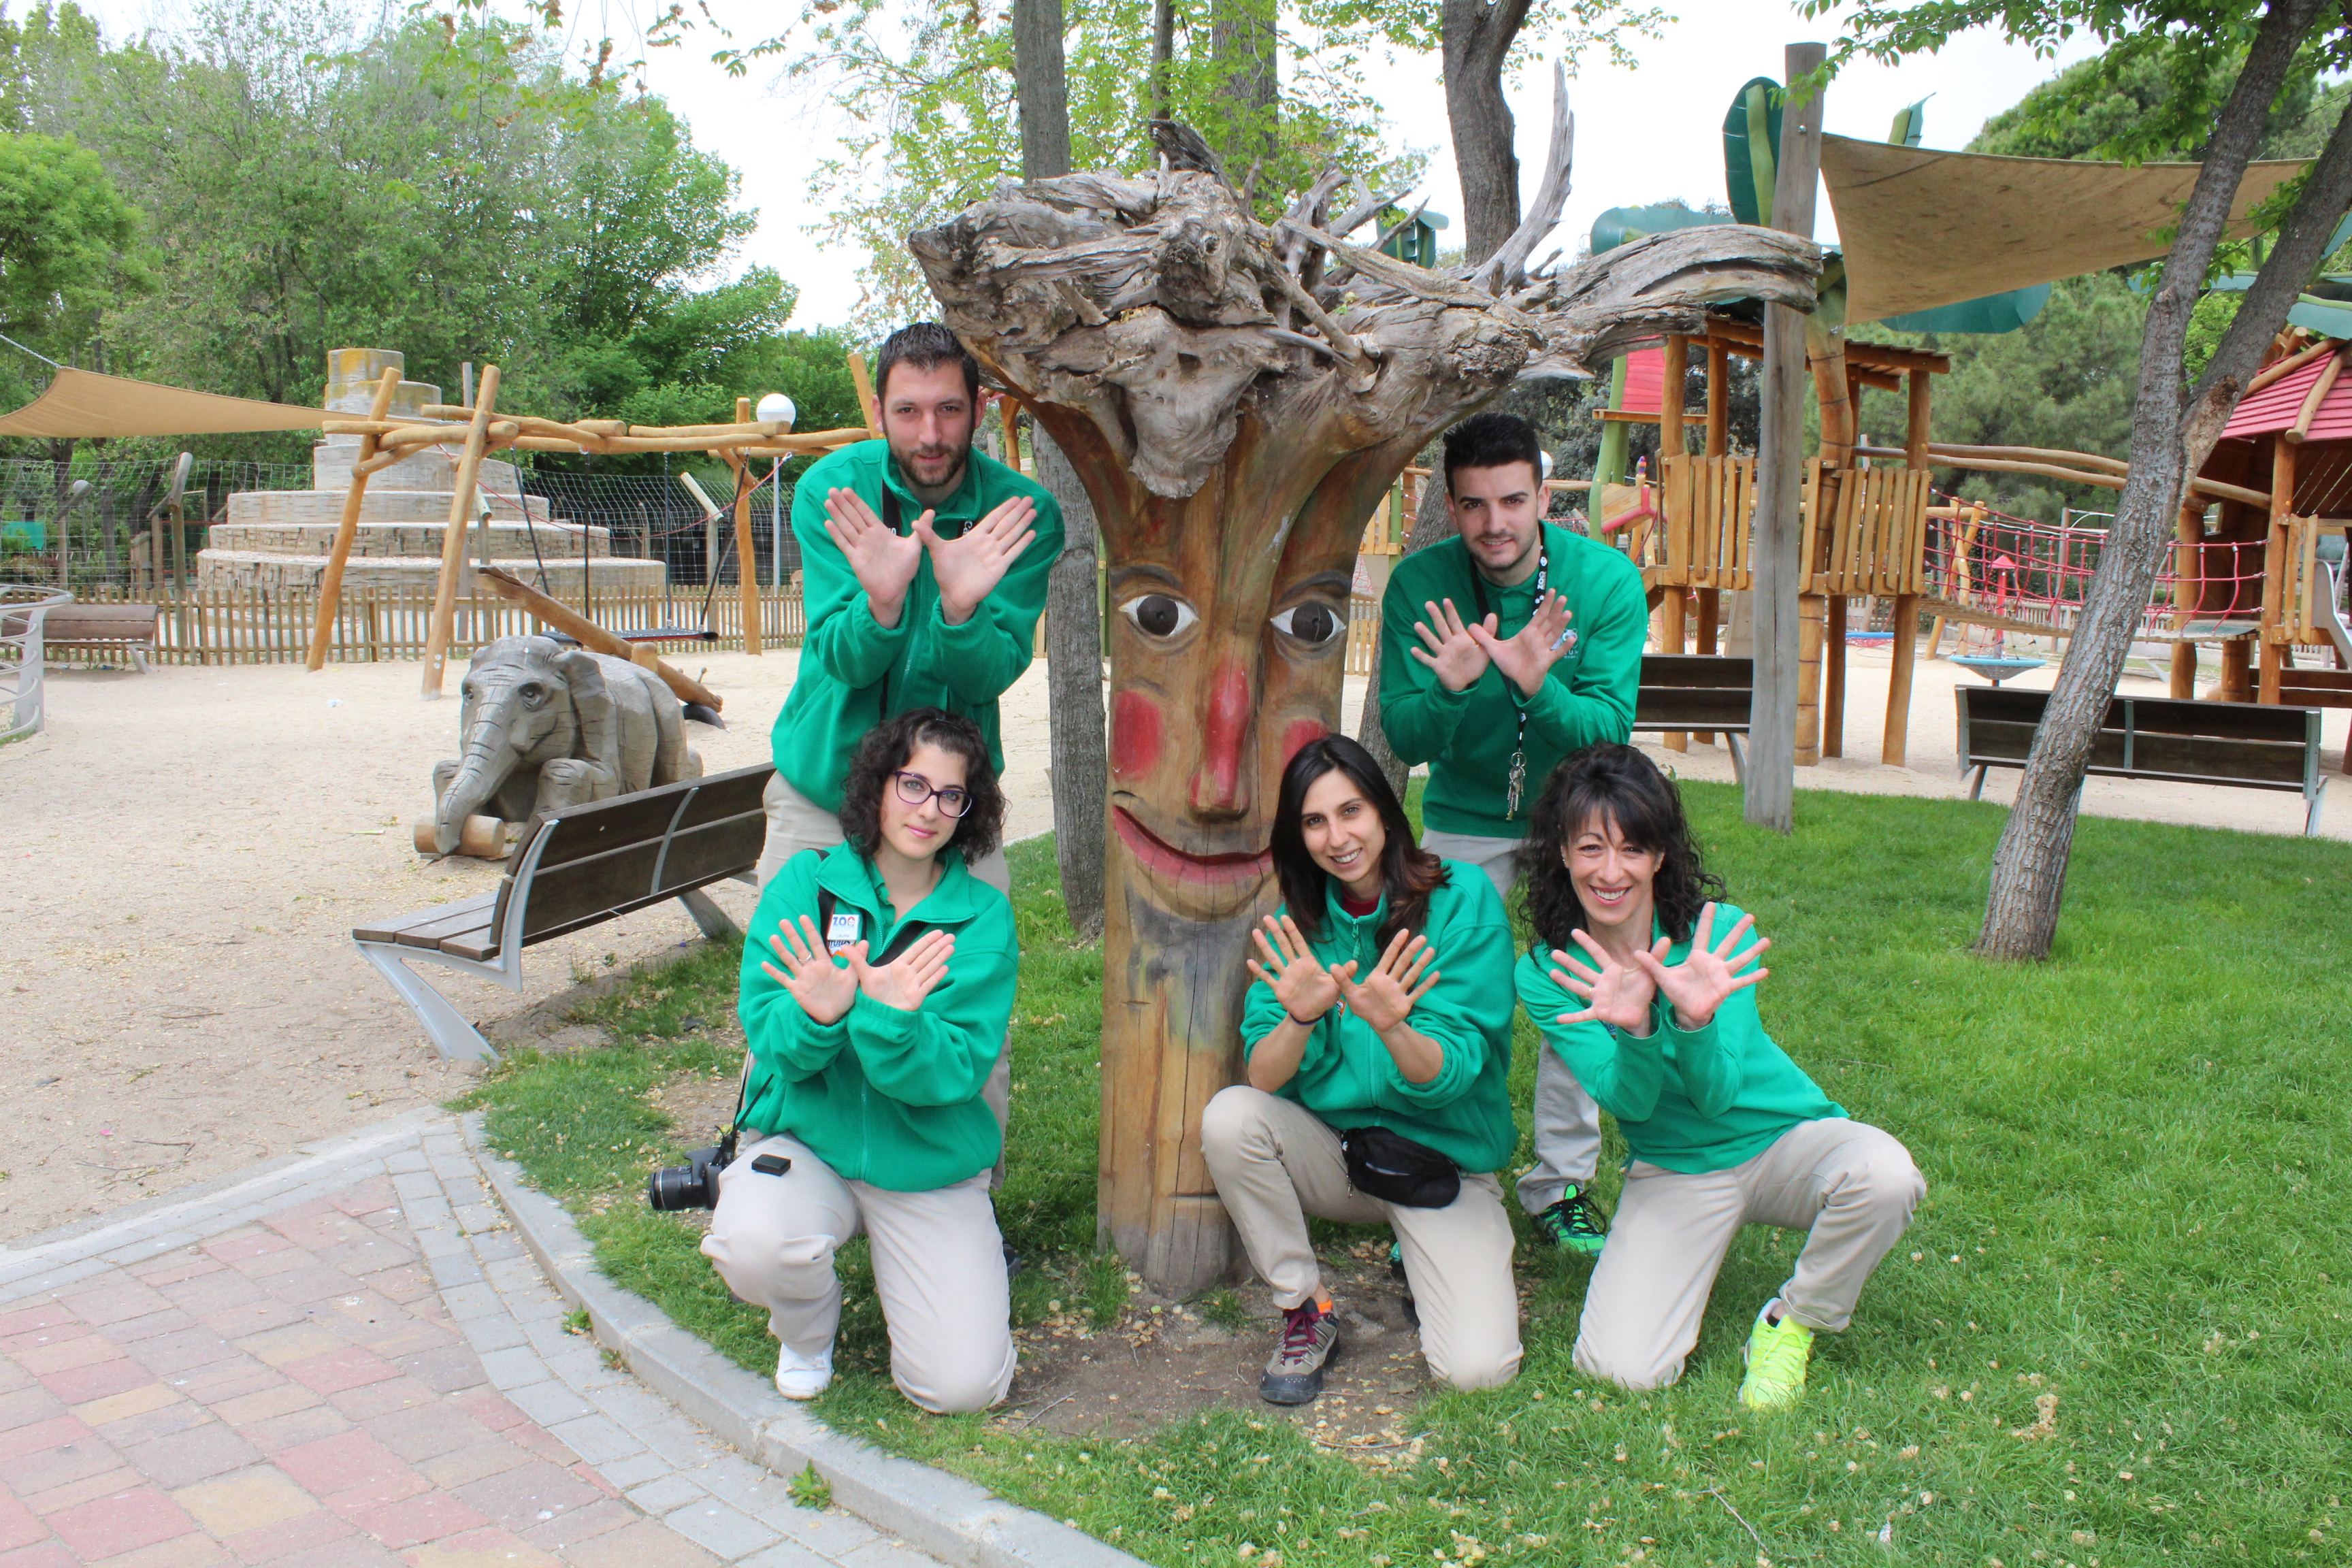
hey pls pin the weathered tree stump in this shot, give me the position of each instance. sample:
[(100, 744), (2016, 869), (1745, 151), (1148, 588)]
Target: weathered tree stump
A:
[(1238, 398)]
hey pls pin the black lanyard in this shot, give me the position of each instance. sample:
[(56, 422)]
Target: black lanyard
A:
[(1519, 776)]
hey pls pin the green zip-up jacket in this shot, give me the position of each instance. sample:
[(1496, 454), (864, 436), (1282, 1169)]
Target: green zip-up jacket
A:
[(854, 673), (1346, 1074), (1467, 737), (1692, 1101), (884, 1096)]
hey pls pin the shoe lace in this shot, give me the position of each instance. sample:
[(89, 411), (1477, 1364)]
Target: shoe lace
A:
[(1299, 1326), (1782, 1359)]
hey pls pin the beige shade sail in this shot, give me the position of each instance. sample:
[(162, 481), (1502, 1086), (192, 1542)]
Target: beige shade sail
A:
[(83, 403), (1922, 228)]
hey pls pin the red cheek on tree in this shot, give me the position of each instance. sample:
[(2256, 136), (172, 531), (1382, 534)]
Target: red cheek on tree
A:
[(1299, 736), (1136, 730)]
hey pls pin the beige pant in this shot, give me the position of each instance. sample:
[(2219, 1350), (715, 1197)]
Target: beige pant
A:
[(1274, 1162), (796, 823), (939, 1268), (1566, 1119), (1851, 1186)]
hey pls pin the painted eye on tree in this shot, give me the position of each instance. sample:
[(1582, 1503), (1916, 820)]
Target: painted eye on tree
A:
[(1160, 614), (1311, 623)]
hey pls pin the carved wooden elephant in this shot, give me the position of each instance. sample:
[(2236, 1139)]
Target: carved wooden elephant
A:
[(547, 726)]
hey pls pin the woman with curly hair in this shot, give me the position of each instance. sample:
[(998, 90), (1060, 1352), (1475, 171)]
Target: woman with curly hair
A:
[(1378, 1041), (878, 982), (1648, 993)]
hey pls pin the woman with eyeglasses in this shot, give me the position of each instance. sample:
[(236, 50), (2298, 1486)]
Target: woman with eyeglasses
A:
[(878, 982), (1377, 1037)]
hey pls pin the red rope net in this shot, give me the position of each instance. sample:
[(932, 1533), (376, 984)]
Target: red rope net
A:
[(2036, 574)]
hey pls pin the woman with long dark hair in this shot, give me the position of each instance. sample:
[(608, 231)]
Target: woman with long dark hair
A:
[(878, 981), (1646, 984), (1377, 1034)]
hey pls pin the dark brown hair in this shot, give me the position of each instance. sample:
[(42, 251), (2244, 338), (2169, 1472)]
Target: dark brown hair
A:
[(887, 749), (1613, 783), (1408, 872), (925, 345)]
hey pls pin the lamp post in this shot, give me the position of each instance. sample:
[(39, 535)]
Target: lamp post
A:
[(779, 407)]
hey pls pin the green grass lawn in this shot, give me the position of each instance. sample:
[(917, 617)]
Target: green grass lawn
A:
[(2134, 1152)]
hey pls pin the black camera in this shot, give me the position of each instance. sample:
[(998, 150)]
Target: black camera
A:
[(695, 1184)]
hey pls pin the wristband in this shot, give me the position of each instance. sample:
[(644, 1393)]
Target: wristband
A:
[(1306, 1022)]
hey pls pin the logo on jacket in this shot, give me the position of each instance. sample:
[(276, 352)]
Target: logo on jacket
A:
[(841, 930)]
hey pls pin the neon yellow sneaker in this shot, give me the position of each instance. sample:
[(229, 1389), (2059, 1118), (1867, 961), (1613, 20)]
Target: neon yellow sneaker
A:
[(1776, 1355)]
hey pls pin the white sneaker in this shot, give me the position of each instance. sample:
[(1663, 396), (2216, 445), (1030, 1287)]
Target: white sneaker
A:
[(802, 1377)]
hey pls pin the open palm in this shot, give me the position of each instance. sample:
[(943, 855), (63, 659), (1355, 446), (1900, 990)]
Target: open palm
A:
[(1617, 995), (1708, 973)]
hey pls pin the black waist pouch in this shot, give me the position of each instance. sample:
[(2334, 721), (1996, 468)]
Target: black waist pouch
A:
[(1387, 1165)]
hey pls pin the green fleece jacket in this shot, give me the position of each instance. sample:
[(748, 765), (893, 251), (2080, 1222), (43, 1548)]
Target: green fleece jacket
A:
[(1686, 1101), (1467, 737), (884, 1096), (853, 672), (1346, 1074)]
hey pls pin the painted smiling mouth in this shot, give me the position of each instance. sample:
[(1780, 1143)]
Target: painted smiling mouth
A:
[(1164, 858)]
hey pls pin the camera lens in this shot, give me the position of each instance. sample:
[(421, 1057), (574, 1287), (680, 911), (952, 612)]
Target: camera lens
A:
[(693, 1185)]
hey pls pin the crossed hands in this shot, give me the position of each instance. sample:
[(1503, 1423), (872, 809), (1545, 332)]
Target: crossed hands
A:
[(1459, 651), (826, 990), (1619, 994), (1307, 990), (967, 568)]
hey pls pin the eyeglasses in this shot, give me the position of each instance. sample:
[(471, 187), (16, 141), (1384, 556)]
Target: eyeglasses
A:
[(915, 789)]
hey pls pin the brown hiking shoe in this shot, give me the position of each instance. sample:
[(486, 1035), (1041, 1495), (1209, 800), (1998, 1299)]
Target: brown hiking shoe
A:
[(1310, 1342)]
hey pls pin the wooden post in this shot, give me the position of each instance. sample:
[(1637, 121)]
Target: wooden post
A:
[(747, 569), (866, 399), (1771, 784), (1834, 697), (1011, 413), (1678, 529), (1904, 645), (2235, 685), (1718, 396), (594, 637), (2188, 532), (453, 539), (2277, 614)]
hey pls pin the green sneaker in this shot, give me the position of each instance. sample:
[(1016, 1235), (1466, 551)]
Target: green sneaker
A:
[(1575, 1224), (1776, 1356)]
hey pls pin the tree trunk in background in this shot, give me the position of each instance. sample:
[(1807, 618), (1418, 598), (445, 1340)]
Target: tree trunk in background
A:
[(1432, 523), (1163, 57), (1073, 620), (1475, 36), (2172, 434), (1037, 78), (1074, 685), (1242, 41)]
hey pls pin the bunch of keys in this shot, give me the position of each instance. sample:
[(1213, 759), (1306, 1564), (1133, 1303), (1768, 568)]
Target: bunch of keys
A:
[(1518, 783)]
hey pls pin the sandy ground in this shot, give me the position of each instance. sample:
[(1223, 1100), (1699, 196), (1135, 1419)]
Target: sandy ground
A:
[(186, 851)]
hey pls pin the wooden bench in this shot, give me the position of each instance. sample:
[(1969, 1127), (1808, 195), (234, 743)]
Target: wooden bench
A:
[(2252, 745), (129, 627), (1698, 692), (574, 868)]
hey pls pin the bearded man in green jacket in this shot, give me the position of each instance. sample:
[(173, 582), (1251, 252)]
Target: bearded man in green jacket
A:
[(1503, 650), (923, 573)]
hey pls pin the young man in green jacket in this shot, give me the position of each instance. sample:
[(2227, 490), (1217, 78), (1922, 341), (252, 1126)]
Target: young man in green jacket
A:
[(923, 573), (1503, 650)]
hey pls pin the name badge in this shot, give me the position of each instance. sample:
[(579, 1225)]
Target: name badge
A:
[(841, 931)]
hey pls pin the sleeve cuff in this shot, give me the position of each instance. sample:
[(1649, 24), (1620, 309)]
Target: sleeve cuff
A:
[(880, 1021)]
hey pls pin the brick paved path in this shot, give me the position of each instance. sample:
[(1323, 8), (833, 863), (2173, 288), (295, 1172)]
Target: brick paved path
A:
[(350, 1362)]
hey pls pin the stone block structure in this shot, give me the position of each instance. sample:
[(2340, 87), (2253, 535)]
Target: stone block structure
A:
[(279, 538)]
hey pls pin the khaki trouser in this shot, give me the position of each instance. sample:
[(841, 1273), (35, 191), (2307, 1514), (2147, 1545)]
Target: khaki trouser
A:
[(1566, 1119), (796, 823), (939, 1269), (1850, 1185), (1274, 1162)]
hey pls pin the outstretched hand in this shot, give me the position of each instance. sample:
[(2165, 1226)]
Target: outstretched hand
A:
[(904, 980), (1708, 973), (1526, 655), (969, 567), (1386, 995), (1449, 648), (884, 561), (1291, 971), (1614, 993), (823, 989)]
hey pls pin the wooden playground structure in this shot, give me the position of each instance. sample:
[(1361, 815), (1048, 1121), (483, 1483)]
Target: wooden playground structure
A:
[(2259, 571)]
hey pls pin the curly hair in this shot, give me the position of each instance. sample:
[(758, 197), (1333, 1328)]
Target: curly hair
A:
[(887, 749), (1619, 785), (1408, 872)]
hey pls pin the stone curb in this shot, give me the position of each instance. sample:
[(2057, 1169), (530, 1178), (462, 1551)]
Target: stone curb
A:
[(952, 1519)]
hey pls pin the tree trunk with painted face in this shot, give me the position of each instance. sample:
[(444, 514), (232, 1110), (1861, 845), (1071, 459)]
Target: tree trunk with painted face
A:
[(1237, 400)]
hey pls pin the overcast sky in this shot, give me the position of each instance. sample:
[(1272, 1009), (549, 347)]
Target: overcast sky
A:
[(1643, 135)]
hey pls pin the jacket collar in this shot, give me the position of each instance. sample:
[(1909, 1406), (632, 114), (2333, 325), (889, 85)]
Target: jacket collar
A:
[(1336, 917), (963, 505), (851, 877)]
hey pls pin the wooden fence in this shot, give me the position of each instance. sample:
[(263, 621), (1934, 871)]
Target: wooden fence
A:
[(272, 625)]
